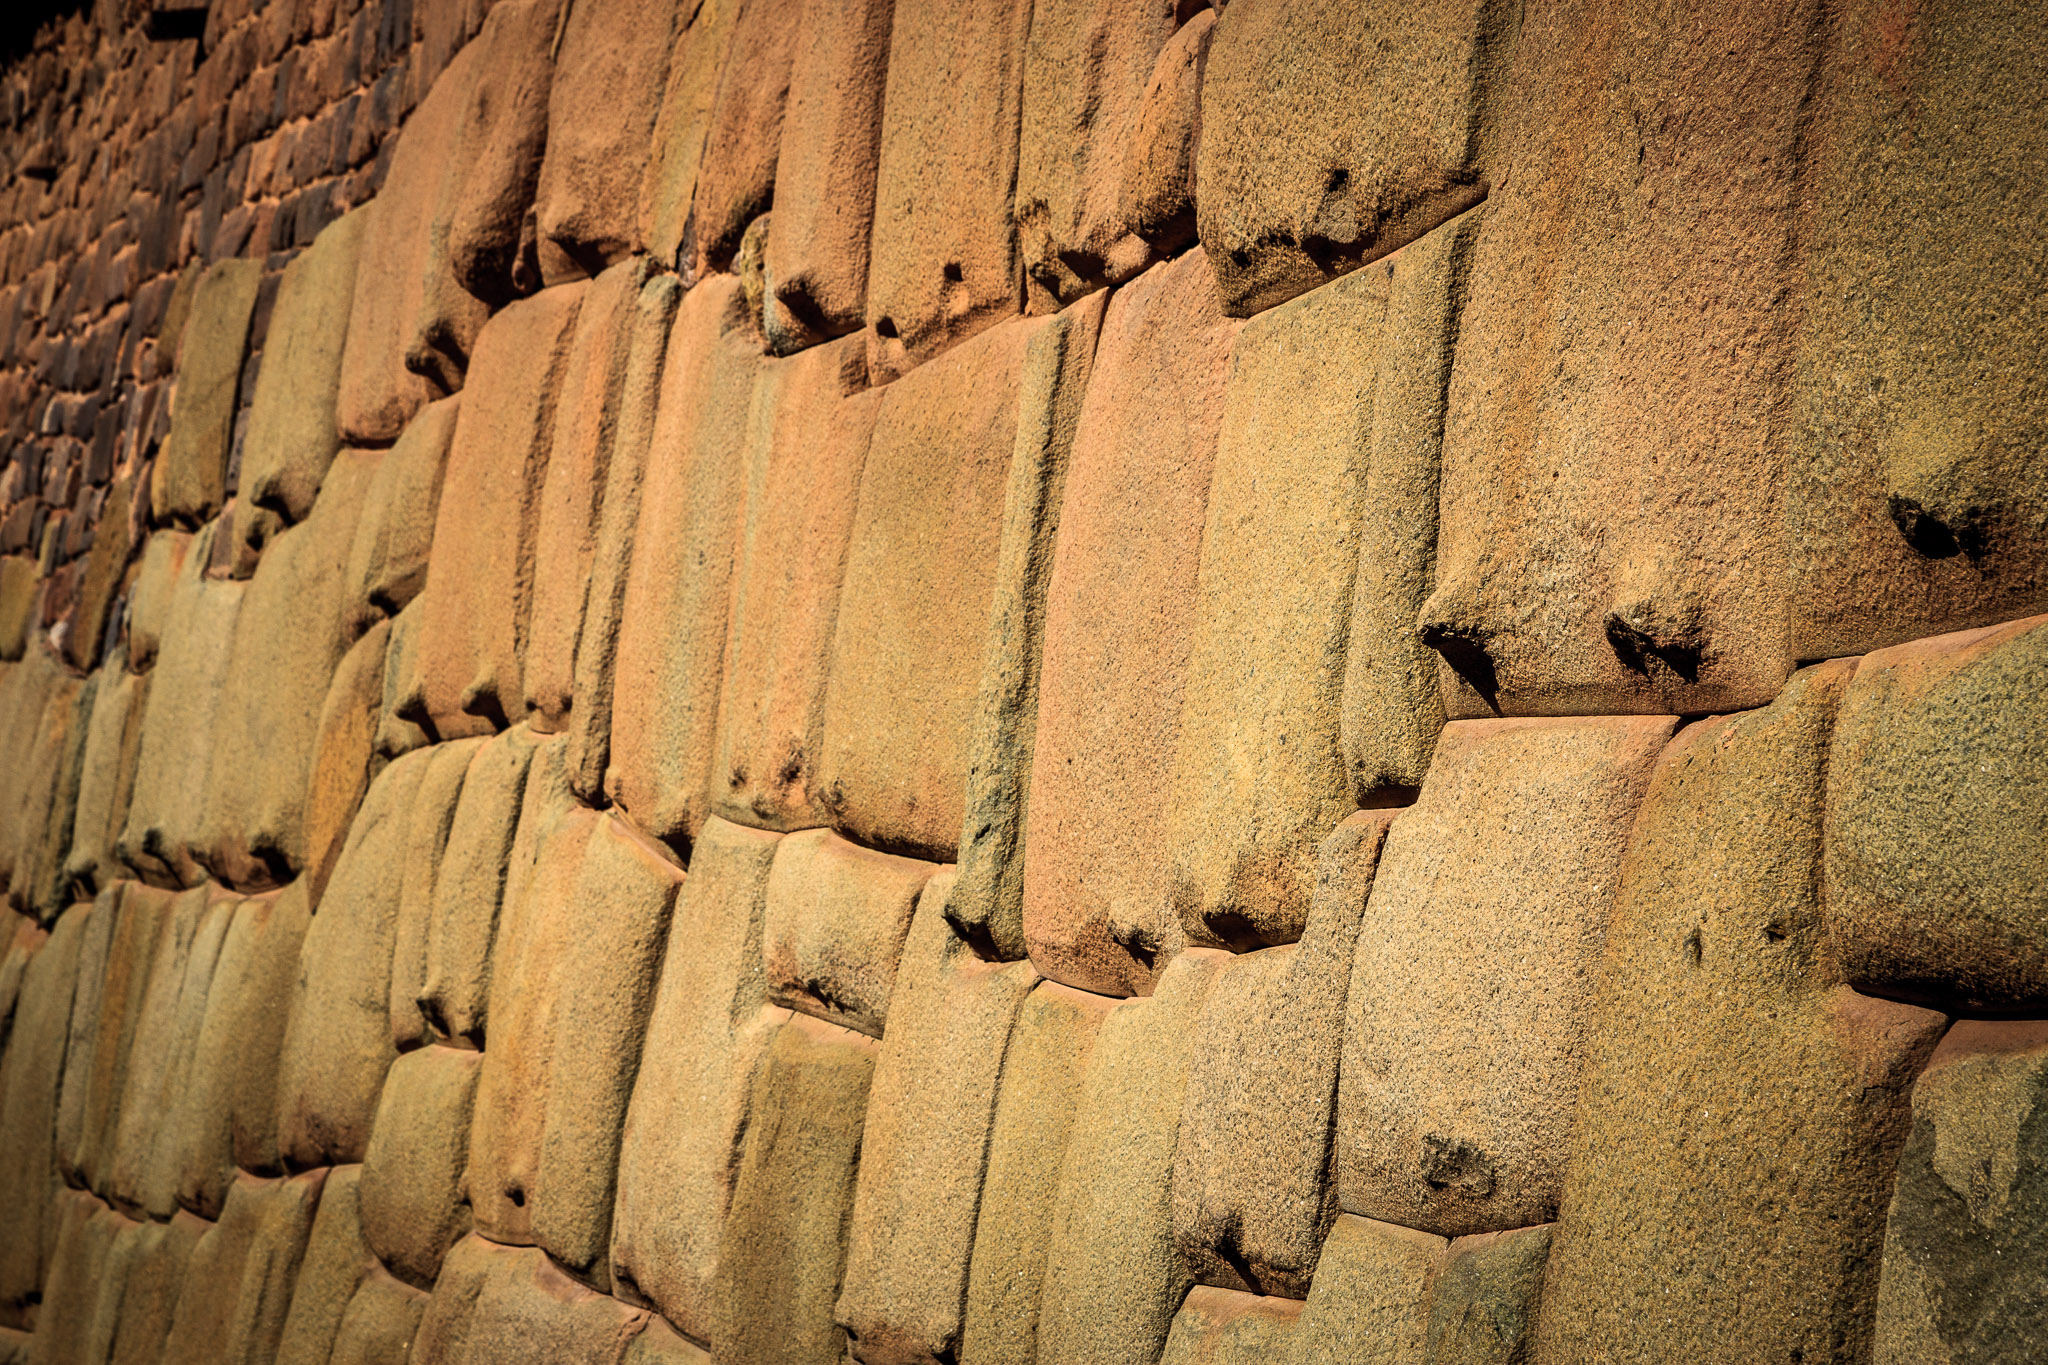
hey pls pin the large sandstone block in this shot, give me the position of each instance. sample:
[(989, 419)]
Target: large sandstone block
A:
[(1723, 1044), (335, 1260), (96, 588), (1119, 622), (1467, 1017), (20, 587), (1253, 1193), (1617, 289), (785, 1233), (695, 62), (411, 1202), (678, 595), (148, 1262), (48, 798), (1370, 1299), (834, 928), (340, 766), (1937, 874), (812, 419), (380, 1322), (1913, 502), (77, 1280), (1484, 1307), (387, 561), (469, 887), (429, 819), (190, 479), (176, 1154), (31, 1071), (1113, 1280), (238, 1279), (496, 1303), (943, 263), (479, 575), (1227, 1327), (736, 175), (505, 133), (138, 914), (692, 1100), (931, 1111), (98, 966), (159, 570)]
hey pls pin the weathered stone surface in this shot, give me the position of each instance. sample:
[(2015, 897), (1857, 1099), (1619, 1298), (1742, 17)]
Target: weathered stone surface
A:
[(96, 587), (412, 1208), (1723, 1044), (660, 1344), (339, 768), (696, 57), (811, 421), (1486, 1296), (1937, 874), (625, 892), (943, 263), (611, 66), (158, 572), (1086, 67), (47, 797), (106, 774), (1226, 1327), (402, 716), (931, 1110), (292, 435), (381, 1320), (1370, 1299), (428, 819), (693, 1097), (190, 480), (1157, 200), (37, 711), (1253, 1196), (495, 1303), (65, 1319), (176, 1154), (834, 928), (19, 588), (334, 1263), (785, 1233), (1467, 1016), (505, 133), (1113, 1280), (674, 615), (387, 562), (469, 889), (1119, 618), (1645, 580), (736, 176), (824, 175), (31, 1070), (138, 915), (1043, 1065), (1962, 1249), (147, 1263), (1913, 504), (238, 1279), (96, 966), (479, 577)]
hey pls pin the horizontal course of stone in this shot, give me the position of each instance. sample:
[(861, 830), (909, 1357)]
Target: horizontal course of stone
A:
[(786, 681)]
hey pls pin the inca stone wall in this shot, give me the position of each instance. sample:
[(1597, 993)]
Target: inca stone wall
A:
[(1068, 681)]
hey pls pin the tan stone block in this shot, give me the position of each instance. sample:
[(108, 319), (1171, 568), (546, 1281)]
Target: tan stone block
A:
[(190, 480), (469, 889), (479, 576), (1113, 1279), (20, 586), (1253, 1193), (182, 1150), (692, 1100), (106, 774), (380, 1323), (48, 797), (334, 1263), (39, 698), (344, 753), (660, 1344), (1937, 874), (515, 1305), (677, 603), (148, 1262), (238, 1279), (138, 914), (1469, 1008), (1913, 503), (736, 175), (505, 133), (824, 175), (292, 435), (837, 916), (160, 569), (1485, 1300), (96, 965), (943, 263), (412, 1208), (77, 1281), (1371, 1296), (695, 63), (1157, 200), (931, 1111), (99, 584), (1724, 1046), (1119, 621), (135, 1116), (387, 562), (429, 818), (785, 1234), (1226, 1327), (402, 714)]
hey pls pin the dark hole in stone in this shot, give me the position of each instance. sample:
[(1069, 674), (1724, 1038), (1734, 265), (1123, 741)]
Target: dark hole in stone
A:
[(1465, 652), (1930, 536), (886, 327)]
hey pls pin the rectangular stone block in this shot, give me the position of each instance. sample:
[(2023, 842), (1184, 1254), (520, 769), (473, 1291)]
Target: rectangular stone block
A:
[(31, 1070), (1467, 1018), (1227, 1327), (96, 966), (410, 1196), (148, 1263), (695, 61), (496, 1303), (157, 575), (70, 1310), (122, 992), (190, 478), (387, 562), (834, 928), (335, 1260), (238, 1279), (177, 1153), (469, 889), (736, 175), (380, 1322), (1371, 1295), (505, 133), (429, 817), (344, 750)]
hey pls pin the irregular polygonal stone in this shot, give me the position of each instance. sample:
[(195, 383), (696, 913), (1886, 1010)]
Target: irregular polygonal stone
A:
[(943, 263), (292, 436), (1914, 503), (1485, 1299), (1157, 200), (479, 577), (1253, 1196), (785, 1235), (335, 1261), (1723, 1044), (1119, 619), (837, 915), (1937, 874), (344, 750), (412, 1208), (1226, 1327), (931, 1109), (469, 888), (736, 177), (1467, 1016), (495, 1303), (137, 916), (505, 132), (696, 59), (429, 819), (238, 1280), (674, 614), (387, 562), (31, 1070), (1113, 1280), (378, 1327), (692, 1099), (190, 479), (1370, 1299)]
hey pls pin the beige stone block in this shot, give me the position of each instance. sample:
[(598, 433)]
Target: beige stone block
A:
[(505, 129), (160, 569), (1226, 1327), (138, 915), (182, 1148), (238, 1279), (496, 1303), (97, 966), (106, 775), (1157, 200), (660, 1344), (736, 174), (190, 479), (98, 581), (387, 562), (1371, 1295), (1484, 1306), (429, 817), (20, 588), (836, 920), (469, 889), (147, 1263), (335, 1260), (381, 1320), (77, 1280), (411, 1198), (695, 62), (340, 766), (47, 796), (402, 715)]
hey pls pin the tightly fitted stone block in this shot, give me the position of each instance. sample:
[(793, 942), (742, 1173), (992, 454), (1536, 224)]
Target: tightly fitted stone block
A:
[(146, 1274), (836, 919), (1113, 1280), (20, 588), (692, 1100), (98, 943), (695, 60), (31, 1070), (1937, 872), (1467, 1017), (160, 569), (1722, 1044), (429, 817), (1119, 619), (380, 1322), (335, 1260), (785, 1234), (344, 749), (469, 888), (1333, 133), (237, 1287), (67, 1316), (943, 263), (736, 175), (1371, 1296), (401, 715), (387, 562), (1157, 200), (190, 479), (1618, 297), (660, 1344), (678, 595), (138, 915), (495, 1303), (479, 576), (99, 579), (49, 799), (1913, 501), (1962, 1248), (292, 435), (178, 1155), (411, 1197), (1043, 1066), (505, 133), (1253, 1196), (1226, 1327), (931, 1111)]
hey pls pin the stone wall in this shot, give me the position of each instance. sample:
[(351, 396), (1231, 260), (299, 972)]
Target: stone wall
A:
[(1042, 681)]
